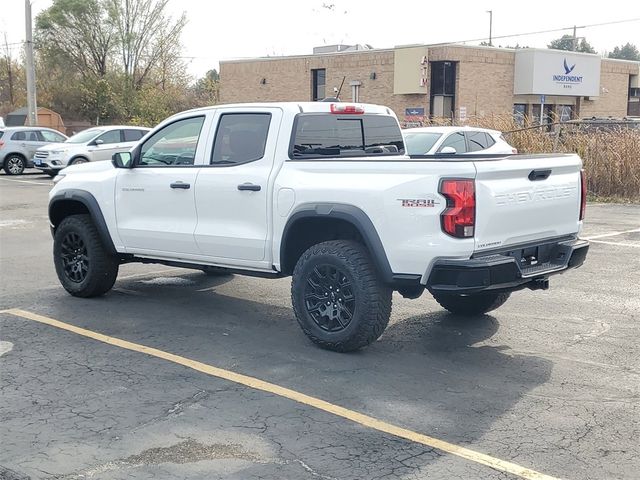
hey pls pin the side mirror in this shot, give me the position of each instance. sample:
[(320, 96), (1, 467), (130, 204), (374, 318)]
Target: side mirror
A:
[(122, 160), (448, 150), (99, 142)]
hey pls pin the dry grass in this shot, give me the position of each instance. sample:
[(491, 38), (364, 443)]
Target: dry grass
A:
[(611, 158)]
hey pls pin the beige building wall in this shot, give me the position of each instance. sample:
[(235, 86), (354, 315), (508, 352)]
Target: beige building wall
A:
[(484, 81), (484, 78), (614, 90), (289, 79)]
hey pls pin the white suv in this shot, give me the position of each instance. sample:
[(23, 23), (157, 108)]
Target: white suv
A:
[(455, 140), (92, 145)]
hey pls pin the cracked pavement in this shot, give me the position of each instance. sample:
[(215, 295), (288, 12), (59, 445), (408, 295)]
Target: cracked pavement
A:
[(550, 381)]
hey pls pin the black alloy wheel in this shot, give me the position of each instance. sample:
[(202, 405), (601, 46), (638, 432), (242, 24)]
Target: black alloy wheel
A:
[(75, 260), (329, 298)]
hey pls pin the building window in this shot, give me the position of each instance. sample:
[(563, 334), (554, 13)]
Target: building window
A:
[(565, 112), (519, 113), (442, 89), (318, 81), (547, 115)]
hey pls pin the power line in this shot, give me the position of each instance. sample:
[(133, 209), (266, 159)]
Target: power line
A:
[(540, 31)]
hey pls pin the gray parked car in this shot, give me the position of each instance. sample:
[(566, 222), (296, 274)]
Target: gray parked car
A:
[(19, 144)]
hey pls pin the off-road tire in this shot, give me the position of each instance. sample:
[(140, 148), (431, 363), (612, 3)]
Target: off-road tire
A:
[(371, 297), (472, 304), (101, 266), (14, 164)]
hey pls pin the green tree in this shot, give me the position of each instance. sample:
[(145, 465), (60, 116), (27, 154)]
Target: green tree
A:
[(106, 60), (207, 88), (566, 43), (626, 52)]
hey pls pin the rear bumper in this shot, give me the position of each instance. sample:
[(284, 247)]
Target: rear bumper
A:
[(508, 270)]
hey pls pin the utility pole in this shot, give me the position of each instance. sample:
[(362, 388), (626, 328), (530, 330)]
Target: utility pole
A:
[(574, 40), (32, 109), (490, 12)]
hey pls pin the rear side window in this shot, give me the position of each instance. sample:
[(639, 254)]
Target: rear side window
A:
[(240, 138), (1, 133), (133, 135), (479, 141), (322, 135), (455, 140)]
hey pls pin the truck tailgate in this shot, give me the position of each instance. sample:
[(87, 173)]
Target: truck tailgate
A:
[(525, 198)]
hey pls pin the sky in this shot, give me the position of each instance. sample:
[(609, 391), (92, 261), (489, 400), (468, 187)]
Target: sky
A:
[(223, 30)]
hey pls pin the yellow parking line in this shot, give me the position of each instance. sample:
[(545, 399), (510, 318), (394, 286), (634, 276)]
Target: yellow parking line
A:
[(317, 403)]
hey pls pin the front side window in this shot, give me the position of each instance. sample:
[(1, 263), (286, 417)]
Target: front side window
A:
[(50, 136), (85, 136), (112, 136), (240, 138), (420, 143), (455, 140), (174, 144)]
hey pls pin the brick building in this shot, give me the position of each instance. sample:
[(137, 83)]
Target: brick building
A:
[(444, 81)]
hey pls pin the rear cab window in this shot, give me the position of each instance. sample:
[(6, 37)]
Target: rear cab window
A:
[(321, 135)]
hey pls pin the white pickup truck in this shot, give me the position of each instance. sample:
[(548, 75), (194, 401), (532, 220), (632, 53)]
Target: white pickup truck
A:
[(323, 192)]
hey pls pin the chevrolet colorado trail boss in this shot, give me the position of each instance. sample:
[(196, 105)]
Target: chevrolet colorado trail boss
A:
[(323, 192)]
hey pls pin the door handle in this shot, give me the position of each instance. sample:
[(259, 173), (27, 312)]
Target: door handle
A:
[(249, 186), (539, 175), (181, 185)]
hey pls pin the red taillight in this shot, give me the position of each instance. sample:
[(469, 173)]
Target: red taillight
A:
[(583, 194), (459, 218), (1, 144), (344, 108)]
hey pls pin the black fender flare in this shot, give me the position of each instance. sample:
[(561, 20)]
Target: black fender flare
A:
[(91, 204), (355, 216)]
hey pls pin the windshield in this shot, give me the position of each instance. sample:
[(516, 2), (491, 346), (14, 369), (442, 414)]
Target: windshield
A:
[(85, 136), (419, 143)]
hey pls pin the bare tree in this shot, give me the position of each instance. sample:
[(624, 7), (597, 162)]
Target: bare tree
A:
[(145, 35), (79, 30)]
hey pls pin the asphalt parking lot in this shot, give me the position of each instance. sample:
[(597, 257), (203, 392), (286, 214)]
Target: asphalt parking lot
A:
[(547, 386)]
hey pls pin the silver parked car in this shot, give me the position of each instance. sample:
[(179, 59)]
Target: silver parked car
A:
[(92, 145), (19, 144)]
